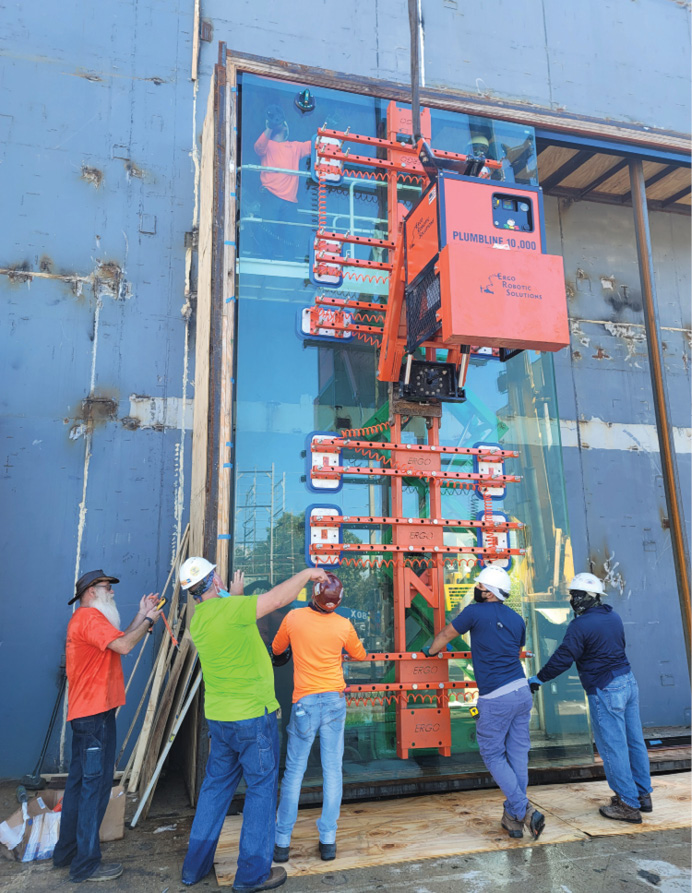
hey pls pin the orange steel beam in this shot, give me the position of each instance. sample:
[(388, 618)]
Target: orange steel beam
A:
[(409, 148), (336, 520), (331, 548), (355, 240), (326, 257), (394, 337), (411, 686), (322, 446), (378, 330), (400, 586), (436, 512), (413, 167), (346, 302), (335, 471), (340, 326), (418, 655)]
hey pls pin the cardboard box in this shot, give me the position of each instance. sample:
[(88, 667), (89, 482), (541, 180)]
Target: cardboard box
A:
[(15, 836)]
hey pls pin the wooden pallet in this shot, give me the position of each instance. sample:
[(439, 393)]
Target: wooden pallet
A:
[(414, 828)]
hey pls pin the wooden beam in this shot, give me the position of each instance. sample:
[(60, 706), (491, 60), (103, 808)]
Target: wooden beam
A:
[(674, 198), (227, 344), (657, 177), (200, 417), (218, 297), (606, 175), (566, 169), (195, 42), (604, 198)]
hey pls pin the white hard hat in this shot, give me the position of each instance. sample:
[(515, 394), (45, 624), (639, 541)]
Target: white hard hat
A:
[(193, 570), (496, 580), (587, 583)]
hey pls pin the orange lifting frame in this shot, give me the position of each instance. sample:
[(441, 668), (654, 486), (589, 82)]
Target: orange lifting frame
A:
[(424, 682)]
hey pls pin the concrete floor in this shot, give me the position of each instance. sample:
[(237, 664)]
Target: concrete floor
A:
[(152, 855)]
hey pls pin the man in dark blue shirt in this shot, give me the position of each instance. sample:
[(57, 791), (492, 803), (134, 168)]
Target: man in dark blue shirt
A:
[(595, 641), (504, 704)]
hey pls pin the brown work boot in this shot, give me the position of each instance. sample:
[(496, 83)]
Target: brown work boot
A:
[(645, 804), (534, 822), (514, 827), (621, 812), (277, 877)]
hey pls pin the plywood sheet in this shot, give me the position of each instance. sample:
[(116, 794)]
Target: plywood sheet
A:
[(415, 828), (670, 185), (200, 418), (618, 184), (591, 170), (385, 832), (551, 159), (577, 805)]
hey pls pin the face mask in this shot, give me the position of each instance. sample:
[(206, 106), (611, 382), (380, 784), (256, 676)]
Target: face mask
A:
[(478, 594), (223, 593), (581, 601)]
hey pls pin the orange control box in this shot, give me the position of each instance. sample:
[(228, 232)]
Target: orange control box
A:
[(496, 298), (497, 288)]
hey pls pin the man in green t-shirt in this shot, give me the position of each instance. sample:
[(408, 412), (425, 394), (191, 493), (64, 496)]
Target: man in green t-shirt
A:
[(240, 707)]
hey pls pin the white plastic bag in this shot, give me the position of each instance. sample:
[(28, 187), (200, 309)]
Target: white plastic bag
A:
[(44, 836)]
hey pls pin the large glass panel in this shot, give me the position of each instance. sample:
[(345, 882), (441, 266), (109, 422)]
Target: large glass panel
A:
[(288, 387)]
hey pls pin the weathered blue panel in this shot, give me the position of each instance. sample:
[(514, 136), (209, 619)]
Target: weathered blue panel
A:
[(613, 471), (488, 52), (98, 176), (595, 58)]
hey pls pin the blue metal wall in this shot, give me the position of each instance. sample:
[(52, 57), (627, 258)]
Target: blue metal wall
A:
[(97, 194), (99, 139), (617, 507)]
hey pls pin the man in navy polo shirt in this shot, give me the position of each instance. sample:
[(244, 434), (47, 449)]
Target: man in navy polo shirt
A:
[(595, 641), (504, 704)]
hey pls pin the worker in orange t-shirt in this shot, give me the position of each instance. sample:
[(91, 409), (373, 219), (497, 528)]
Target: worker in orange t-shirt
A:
[(279, 188), (316, 636), (96, 688)]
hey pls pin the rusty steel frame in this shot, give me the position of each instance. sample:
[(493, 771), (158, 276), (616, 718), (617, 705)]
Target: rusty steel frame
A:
[(671, 482)]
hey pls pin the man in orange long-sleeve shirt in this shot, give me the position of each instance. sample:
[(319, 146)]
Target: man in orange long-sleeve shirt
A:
[(279, 189), (317, 637)]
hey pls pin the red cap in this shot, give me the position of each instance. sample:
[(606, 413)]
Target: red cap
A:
[(327, 596)]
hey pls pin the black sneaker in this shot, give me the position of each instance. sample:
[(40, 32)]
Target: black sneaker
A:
[(277, 877), (107, 871), (281, 853), (327, 851), (645, 804)]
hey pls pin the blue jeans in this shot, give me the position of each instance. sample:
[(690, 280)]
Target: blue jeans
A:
[(324, 713), (247, 747), (502, 732), (617, 730), (87, 793)]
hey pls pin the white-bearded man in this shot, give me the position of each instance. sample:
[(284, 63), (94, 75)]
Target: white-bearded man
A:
[(96, 688)]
